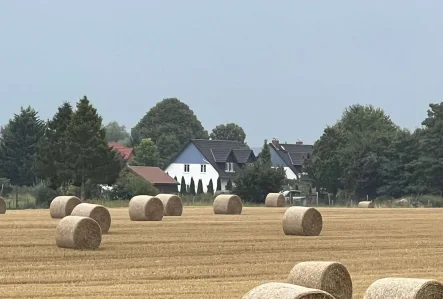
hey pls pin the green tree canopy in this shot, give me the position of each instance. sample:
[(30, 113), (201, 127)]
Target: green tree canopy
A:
[(51, 162), (210, 187), (174, 120), (19, 145), (146, 154), (230, 131), (117, 133), (90, 157)]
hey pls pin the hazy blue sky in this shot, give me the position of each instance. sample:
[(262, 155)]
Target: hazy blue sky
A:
[(278, 68)]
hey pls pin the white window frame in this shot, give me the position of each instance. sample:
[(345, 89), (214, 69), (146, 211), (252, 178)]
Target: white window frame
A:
[(203, 168), (186, 168), (229, 167)]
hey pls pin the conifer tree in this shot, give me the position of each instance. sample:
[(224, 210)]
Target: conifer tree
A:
[(192, 187), (218, 184), (183, 186), (210, 187), (200, 187)]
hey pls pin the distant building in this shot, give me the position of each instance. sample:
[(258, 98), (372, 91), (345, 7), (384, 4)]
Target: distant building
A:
[(157, 177), (127, 153), (210, 159)]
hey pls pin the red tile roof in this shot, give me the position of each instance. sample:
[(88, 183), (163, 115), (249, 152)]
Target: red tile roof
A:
[(154, 175), (125, 152)]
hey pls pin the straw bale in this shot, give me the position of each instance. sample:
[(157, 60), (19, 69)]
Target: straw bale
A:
[(2, 205), (172, 204), (62, 206), (405, 288), (366, 204), (145, 208), (275, 200), (97, 212), (78, 232), (331, 277), (278, 290), (302, 221), (227, 204)]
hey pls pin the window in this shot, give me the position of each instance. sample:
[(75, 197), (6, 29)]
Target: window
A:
[(186, 167), (229, 167), (203, 168)]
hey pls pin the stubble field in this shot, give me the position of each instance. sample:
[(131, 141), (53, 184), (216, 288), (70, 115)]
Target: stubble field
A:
[(202, 255)]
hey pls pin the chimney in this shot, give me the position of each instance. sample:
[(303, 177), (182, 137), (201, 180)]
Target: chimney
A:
[(275, 142), (299, 142)]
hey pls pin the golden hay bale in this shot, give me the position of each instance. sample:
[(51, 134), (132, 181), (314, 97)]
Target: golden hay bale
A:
[(145, 208), (278, 290), (172, 204), (97, 212), (366, 204), (78, 232), (405, 288), (302, 221), (62, 206), (275, 200), (331, 277), (2, 206), (227, 204)]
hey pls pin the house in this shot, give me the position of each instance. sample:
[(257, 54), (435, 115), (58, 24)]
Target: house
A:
[(157, 177), (209, 159), (127, 153), (290, 156)]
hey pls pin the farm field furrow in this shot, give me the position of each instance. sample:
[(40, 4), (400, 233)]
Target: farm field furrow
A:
[(202, 255)]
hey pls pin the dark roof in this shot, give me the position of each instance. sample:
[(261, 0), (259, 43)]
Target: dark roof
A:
[(154, 175), (293, 154), (218, 151), (242, 155)]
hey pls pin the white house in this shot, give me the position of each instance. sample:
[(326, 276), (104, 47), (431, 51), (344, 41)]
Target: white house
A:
[(209, 160)]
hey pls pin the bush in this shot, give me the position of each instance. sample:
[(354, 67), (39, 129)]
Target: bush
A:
[(44, 195), (129, 185)]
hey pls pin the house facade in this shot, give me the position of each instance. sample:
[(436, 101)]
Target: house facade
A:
[(210, 159), (290, 156)]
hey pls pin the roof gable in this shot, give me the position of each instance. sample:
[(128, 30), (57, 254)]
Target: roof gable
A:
[(190, 154), (154, 175), (292, 154)]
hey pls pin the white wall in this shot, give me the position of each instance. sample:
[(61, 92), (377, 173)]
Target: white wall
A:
[(178, 170), (289, 173)]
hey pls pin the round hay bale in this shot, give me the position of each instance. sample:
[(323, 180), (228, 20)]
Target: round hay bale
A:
[(278, 290), (366, 204), (275, 200), (227, 204), (2, 205), (97, 212), (172, 204), (405, 288), (78, 232), (302, 221), (62, 206), (331, 277), (145, 208)]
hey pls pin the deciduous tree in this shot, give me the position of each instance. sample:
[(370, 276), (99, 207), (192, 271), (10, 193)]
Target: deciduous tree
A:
[(146, 154), (230, 131)]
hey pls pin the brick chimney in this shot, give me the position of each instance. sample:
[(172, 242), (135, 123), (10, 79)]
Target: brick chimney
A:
[(299, 142), (275, 142)]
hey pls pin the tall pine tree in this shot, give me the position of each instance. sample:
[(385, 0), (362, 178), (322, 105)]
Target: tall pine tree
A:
[(90, 157), (200, 187), (192, 187), (18, 147), (52, 161), (218, 184), (210, 187), (183, 186)]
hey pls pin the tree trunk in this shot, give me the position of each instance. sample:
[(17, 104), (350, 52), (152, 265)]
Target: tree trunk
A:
[(82, 188), (16, 197)]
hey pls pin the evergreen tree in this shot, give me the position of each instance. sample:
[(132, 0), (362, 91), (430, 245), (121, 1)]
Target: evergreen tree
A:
[(52, 161), (89, 155), (265, 155), (176, 186), (192, 187), (200, 187), (18, 147), (183, 186), (210, 187), (218, 184), (229, 185)]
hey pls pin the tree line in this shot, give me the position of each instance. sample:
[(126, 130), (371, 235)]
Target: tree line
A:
[(366, 154)]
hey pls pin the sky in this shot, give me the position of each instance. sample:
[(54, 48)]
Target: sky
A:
[(282, 69)]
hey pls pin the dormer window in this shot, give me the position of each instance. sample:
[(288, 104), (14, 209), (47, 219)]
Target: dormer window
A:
[(229, 167)]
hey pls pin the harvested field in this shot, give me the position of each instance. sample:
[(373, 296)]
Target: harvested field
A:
[(204, 255)]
